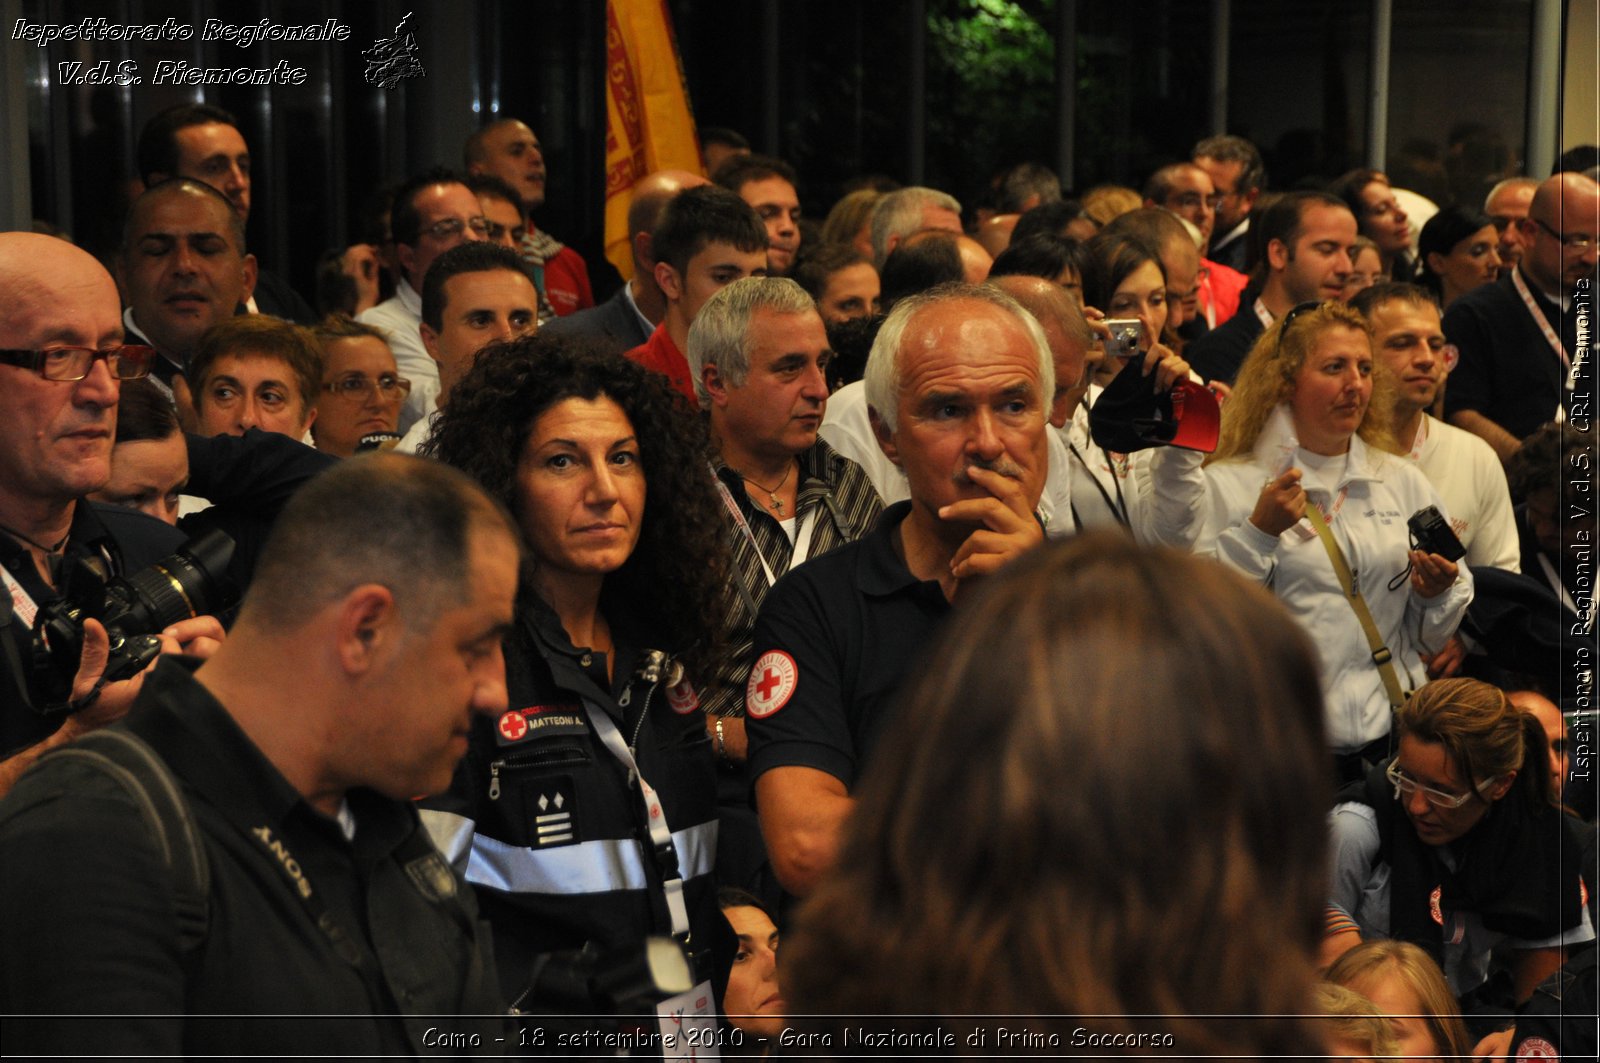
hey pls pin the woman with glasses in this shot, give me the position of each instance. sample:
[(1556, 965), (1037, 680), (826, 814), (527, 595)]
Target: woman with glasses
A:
[(617, 612), (1306, 440), (1456, 845), (358, 406)]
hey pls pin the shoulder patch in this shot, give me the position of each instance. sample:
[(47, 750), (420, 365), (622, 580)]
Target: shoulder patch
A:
[(772, 683)]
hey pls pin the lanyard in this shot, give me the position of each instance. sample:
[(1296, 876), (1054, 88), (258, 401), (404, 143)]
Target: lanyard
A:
[(805, 530), (664, 850), (1421, 439), (1263, 314), (1118, 508), (1550, 336), (22, 602)]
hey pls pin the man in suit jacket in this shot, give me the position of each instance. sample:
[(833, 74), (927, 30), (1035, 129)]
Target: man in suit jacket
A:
[(626, 320)]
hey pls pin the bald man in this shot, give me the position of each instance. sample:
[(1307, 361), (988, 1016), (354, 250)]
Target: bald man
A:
[(60, 378), (1518, 336), (626, 320), (1507, 204), (509, 150)]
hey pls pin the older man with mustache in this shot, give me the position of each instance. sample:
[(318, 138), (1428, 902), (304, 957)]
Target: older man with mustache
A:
[(959, 384)]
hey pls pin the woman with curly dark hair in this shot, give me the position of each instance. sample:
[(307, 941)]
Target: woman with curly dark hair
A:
[(617, 610)]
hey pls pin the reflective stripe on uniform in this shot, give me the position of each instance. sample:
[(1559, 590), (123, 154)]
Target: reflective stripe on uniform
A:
[(599, 866), (451, 833)]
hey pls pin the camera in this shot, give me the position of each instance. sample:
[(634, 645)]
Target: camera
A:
[(1126, 339), (192, 582), (1433, 534)]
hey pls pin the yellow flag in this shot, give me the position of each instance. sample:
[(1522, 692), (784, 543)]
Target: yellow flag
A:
[(649, 125)]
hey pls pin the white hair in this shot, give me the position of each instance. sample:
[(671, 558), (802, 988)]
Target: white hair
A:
[(720, 333), (900, 214), (881, 380)]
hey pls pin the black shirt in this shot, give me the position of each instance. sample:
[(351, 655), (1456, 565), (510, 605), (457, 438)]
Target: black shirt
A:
[(833, 642), (1508, 371), (120, 541), (1219, 353), (87, 916)]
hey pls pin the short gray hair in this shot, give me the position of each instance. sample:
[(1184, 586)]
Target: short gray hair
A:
[(882, 377), (900, 214), (720, 333)]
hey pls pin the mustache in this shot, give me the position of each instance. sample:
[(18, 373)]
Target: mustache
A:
[(1004, 466)]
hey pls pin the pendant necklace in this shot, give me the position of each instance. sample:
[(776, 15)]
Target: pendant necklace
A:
[(772, 492)]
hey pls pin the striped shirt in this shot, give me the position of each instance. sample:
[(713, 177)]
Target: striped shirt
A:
[(833, 491)]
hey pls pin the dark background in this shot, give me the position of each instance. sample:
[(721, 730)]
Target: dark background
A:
[(942, 92)]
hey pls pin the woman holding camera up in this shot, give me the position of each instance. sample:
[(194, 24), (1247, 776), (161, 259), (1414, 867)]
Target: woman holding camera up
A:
[(586, 813), (1305, 494)]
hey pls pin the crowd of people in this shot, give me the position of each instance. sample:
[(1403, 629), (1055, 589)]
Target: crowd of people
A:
[(987, 600)]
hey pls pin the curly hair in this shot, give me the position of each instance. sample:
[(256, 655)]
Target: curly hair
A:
[(674, 578), (1271, 370)]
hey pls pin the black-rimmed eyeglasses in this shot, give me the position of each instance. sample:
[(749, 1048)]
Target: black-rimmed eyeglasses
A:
[(126, 361)]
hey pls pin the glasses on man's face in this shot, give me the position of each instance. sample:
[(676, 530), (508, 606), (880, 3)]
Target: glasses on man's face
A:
[(126, 361), (453, 227), (1405, 784), (1569, 241), (358, 387)]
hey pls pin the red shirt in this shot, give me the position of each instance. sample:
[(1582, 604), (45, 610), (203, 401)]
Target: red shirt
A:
[(661, 354), (566, 283), (1219, 292)]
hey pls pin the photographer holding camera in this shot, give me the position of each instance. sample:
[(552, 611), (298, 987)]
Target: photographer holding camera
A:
[(61, 363), (1308, 493)]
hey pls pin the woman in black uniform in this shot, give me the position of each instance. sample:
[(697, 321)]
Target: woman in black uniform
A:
[(586, 812)]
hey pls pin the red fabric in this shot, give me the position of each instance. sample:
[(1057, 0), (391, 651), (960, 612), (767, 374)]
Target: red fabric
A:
[(566, 283), (661, 354), (1220, 290)]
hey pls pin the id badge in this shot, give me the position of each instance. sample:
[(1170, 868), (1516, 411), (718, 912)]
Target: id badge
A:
[(688, 1025)]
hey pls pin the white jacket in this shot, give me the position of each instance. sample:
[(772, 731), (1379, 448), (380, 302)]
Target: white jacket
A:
[(1380, 492)]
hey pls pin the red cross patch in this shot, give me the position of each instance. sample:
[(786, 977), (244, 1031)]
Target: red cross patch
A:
[(772, 682), (512, 725), (683, 698), (1536, 1048)]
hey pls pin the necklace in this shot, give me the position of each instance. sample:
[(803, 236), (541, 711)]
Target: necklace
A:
[(42, 548), (772, 492)]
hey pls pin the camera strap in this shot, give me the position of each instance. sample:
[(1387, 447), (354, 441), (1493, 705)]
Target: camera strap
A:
[(663, 849), (1369, 627), (22, 603)]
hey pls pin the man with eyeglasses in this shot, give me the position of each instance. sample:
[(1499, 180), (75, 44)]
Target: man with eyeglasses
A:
[(433, 212), (1185, 189), (61, 359), (1518, 337), (1235, 168), (509, 150)]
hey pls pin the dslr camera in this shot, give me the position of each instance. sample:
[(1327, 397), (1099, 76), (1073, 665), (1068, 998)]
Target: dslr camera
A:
[(192, 582)]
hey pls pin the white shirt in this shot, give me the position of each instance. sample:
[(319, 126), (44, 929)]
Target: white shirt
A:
[(1375, 494)]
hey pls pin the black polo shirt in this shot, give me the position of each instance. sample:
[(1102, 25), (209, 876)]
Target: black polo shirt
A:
[(115, 538), (834, 639), (1508, 372), (87, 916)]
